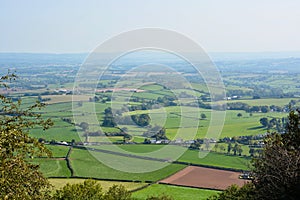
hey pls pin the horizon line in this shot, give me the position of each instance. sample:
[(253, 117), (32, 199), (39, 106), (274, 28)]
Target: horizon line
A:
[(224, 52)]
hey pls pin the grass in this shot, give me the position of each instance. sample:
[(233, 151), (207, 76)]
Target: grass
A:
[(64, 133), (233, 125), (53, 167), (177, 192), (58, 151), (190, 156), (266, 101), (57, 107), (216, 159), (85, 165), (65, 98), (60, 182)]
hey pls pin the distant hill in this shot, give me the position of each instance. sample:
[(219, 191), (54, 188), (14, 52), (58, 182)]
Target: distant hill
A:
[(262, 62)]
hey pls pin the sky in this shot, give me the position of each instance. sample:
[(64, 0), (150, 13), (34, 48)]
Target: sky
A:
[(73, 26)]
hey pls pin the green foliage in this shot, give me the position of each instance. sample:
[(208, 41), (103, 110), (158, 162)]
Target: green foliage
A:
[(203, 116), (88, 190), (235, 192), (117, 192), (108, 120), (141, 120), (277, 171), (84, 126), (264, 121), (157, 132), (91, 190), (20, 179), (229, 147), (292, 137)]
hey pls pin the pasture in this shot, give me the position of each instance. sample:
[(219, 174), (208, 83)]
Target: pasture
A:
[(177, 192), (189, 156), (216, 159), (50, 167), (86, 165)]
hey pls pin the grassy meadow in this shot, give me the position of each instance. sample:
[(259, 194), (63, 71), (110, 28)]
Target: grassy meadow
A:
[(177, 192)]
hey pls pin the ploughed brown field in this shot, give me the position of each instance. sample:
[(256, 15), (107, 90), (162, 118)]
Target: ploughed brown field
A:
[(205, 178)]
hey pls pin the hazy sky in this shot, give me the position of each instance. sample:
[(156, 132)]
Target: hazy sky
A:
[(67, 26)]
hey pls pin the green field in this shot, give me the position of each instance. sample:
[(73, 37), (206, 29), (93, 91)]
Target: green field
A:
[(58, 151), (189, 156), (53, 167), (216, 159), (173, 116), (262, 102), (178, 193), (85, 165)]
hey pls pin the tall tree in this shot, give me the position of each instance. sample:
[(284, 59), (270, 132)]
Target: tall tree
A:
[(235, 148), (203, 116), (240, 150), (109, 120), (20, 179), (264, 121), (277, 172), (229, 147), (85, 127)]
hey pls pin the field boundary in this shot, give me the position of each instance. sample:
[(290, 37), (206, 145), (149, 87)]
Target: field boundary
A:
[(208, 166), (122, 154), (68, 162), (158, 159), (170, 184), (101, 179)]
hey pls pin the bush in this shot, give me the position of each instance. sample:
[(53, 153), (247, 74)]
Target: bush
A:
[(91, 190)]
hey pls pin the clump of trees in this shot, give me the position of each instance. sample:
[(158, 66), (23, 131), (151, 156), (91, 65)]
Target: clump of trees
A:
[(91, 190), (141, 120), (157, 132), (108, 120), (277, 124)]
